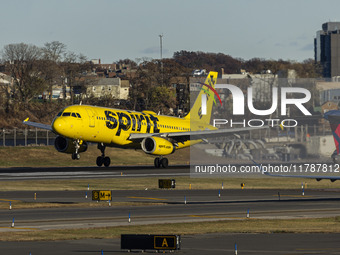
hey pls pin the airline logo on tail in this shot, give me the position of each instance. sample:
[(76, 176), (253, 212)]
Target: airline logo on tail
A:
[(207, 92), (208, 89)]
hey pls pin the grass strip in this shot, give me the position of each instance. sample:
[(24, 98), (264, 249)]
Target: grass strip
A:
[(308, 225), (47, 156), (182, 183)]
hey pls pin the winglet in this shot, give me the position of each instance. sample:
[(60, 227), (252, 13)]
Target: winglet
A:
[(26, 119)]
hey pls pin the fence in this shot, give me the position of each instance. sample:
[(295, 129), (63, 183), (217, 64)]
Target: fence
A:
[(25, 137)]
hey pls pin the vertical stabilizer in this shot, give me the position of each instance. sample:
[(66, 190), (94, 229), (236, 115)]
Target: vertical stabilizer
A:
[(201, 112)]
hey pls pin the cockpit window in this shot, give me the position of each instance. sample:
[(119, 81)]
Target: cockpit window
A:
[(67, 114), (59, 114)]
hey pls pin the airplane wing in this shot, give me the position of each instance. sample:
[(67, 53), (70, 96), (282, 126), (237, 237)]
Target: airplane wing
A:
[(193, 135), (37, 125)]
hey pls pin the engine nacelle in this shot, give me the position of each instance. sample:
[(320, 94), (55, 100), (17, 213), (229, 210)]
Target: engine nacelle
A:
[(157, 146), (66, 145)]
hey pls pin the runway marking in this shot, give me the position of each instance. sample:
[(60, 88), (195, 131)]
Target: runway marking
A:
[(150, 198), (215, 217), (316, 249), (9, 200), (291, 196), (19, 228)]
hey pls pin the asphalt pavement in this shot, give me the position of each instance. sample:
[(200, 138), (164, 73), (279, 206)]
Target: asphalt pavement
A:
[(217, 244)]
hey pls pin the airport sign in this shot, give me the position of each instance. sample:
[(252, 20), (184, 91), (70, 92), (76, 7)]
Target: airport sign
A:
[(101, 195)]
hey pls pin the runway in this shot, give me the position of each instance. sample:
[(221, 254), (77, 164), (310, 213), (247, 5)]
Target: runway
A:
[(90, 172), (164, 206), (27, 173)]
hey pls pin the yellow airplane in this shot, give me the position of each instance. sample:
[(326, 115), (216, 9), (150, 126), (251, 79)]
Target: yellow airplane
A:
[(155, 134)]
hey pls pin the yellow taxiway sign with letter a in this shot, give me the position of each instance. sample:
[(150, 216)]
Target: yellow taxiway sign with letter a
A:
[(165, 242), (101, 195)]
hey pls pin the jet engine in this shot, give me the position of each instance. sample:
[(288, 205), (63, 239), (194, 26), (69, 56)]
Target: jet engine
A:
[(157, 146), (66, 145)]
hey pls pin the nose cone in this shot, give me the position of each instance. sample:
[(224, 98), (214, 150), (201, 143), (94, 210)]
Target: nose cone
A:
[(59, 126)]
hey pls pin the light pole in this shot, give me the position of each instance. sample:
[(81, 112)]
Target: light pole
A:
[(161, 51)]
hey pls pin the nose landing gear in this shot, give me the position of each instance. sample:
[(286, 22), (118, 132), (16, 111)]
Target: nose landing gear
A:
[(76, 154)]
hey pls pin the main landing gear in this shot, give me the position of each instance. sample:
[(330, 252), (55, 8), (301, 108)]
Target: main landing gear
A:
[(161, 162), (102, 159)]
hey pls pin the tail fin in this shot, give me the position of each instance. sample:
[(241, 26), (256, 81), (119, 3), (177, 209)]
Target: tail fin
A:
[(334, 120), (201, 111)]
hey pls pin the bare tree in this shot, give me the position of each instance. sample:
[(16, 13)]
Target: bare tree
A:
[(22, 60), (73, 67), (53, 53)]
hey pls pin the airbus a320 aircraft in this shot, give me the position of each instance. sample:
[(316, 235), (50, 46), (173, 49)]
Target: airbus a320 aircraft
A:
[(154, 134)]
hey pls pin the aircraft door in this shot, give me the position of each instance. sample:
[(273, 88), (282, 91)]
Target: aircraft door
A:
[(92, 117)]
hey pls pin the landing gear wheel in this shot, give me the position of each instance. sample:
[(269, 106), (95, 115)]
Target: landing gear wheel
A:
[(107, 161), (164, 162), (100, 161), (75, 156), (157, 163)]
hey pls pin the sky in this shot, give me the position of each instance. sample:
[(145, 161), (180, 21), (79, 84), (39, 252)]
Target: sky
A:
[(112, 30)]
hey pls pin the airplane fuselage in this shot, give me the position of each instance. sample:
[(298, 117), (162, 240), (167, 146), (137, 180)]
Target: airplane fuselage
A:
[(113, 127)]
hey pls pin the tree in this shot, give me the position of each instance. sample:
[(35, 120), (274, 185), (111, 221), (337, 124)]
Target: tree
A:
[(23, 62), (53, 53), (162, 99), (73, 67)]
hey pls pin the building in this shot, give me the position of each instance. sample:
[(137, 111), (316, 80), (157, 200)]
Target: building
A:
[(327, 48), (114, 87), (329, 91)]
